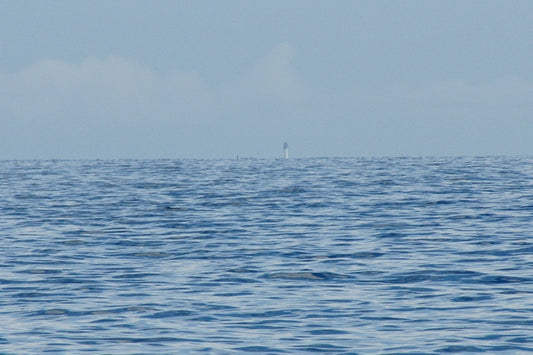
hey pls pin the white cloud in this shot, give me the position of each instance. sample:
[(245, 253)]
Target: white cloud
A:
[(272, 78), (274, 75), (119, 91), (112, 102), (117, 107), (112, 88), (263, 104)]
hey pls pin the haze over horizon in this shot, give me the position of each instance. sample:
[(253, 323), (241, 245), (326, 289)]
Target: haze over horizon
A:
[(166, 79)]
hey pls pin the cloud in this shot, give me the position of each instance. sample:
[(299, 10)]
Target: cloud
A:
[(105, 89), (98, 107), (272, 78), (262, 104), (275, 75), (116, 107)]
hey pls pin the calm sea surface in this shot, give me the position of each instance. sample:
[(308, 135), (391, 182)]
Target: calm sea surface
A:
[(391, 255)]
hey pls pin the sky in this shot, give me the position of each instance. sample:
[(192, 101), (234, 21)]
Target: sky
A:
[(219, 79)]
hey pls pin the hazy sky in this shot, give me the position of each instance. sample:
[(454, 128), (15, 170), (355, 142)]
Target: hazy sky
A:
[(215, 79)]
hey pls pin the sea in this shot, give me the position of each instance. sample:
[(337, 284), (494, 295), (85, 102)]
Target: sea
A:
[(396, 255)]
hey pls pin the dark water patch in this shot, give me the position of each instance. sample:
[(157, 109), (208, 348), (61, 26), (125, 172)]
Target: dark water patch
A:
[(150, 340), (52, 312), (475, 298), (259, 349), (391, 235), (501, 279), (521, 340), (136, 275), (326, 331), (33, 295), (322, 347), (509, 349), (244, 270), (461, 349), (207, 319), (64, 280), (10, 282), (74, 242), (256, 315), (492, 253), (433, 276), (169, 314), (356, 255), (151, 255), (40, 271), (236, 280), (310, 276)]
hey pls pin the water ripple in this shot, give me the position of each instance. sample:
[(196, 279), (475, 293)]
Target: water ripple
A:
[(333, 255)]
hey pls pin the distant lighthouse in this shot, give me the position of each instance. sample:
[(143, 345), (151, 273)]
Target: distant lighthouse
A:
[(286, 150)]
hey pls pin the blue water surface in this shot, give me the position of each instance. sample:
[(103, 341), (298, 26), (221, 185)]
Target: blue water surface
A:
[(332, 255)]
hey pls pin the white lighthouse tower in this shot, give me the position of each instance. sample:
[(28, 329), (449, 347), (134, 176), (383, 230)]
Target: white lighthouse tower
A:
[(286, 150)]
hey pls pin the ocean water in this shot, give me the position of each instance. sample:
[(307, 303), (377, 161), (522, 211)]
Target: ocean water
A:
[(332, 255)]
